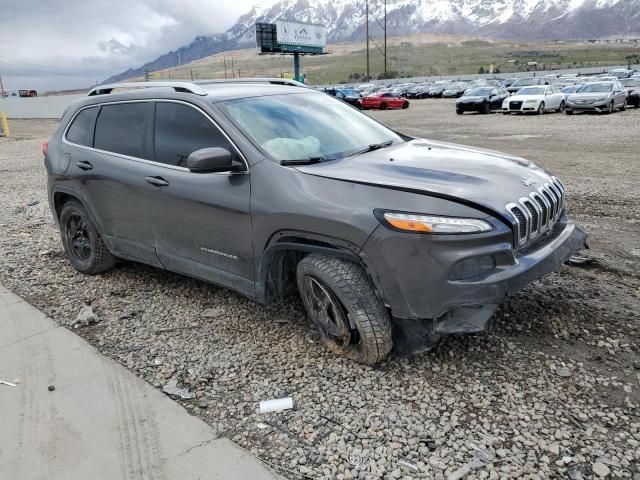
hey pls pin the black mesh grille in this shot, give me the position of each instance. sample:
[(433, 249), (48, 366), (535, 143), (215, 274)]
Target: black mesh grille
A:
[(515, 105), (534, 215), (522, 219), (543, 207)]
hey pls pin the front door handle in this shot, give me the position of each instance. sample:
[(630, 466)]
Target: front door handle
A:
[(156, 181), (84, 165)]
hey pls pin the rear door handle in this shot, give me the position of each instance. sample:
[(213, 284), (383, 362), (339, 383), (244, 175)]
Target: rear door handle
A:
[(156, 181), (84, 165)]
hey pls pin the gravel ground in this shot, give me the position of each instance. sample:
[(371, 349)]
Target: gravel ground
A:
[(551, 392)]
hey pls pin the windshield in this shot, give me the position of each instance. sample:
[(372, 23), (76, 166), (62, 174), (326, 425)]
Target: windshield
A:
[(571, 89), (531, 91), (478, 92), (523, 82), (596, 88), (307, 125), (631, 82)]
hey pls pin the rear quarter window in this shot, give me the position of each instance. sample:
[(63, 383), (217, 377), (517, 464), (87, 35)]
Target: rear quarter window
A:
[(121, 128), (80, 131)]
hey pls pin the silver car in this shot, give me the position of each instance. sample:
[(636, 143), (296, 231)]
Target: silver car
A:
[(597, 97)]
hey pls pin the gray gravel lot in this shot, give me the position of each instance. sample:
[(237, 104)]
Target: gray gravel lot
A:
[(551, 392)]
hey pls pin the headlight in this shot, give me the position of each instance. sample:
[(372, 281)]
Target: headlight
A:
[(431, 224), (601, 99), (530, 101)]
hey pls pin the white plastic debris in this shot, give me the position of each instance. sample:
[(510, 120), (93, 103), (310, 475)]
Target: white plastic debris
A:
[(276, 405), (172, 389), (7, 383)]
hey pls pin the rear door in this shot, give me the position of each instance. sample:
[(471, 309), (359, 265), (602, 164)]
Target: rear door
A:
[(201, 221), (110, 168)]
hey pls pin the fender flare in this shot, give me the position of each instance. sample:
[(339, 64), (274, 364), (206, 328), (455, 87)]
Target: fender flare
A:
[(72, 193)]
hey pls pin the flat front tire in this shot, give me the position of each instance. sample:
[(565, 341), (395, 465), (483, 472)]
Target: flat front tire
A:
[(341, 301), (82, 242)]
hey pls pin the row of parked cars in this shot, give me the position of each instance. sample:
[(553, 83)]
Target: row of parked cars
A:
[(570, 93)]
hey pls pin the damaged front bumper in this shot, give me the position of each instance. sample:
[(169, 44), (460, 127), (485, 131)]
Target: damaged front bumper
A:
[(426, 303)]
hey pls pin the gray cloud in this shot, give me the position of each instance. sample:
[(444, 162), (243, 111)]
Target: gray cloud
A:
[(73, 43)]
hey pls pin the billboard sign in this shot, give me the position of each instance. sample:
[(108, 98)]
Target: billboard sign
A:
[(301, 34)]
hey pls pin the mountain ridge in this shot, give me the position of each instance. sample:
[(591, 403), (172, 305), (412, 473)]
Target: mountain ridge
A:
[(345, 20)]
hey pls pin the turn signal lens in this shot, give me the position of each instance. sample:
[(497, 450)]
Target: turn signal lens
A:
[(45, 147), (431, 224)]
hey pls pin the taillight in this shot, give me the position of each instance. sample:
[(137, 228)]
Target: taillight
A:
[(45, 147)]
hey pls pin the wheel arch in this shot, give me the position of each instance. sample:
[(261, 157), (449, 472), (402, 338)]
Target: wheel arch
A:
[(278, 261), (61, 195)]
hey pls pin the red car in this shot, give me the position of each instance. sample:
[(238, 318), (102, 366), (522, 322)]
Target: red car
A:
[(382, 101)]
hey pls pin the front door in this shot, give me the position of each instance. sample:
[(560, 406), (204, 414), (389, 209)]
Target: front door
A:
[(201, 221)]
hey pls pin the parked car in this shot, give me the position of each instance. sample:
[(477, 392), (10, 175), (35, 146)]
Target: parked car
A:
[(455, 90), (527, 82), (419, 91), (597, 97), (538, 100), (568, 90), (384, 101), (273, 189), (350, 96), (634, 98), (620, 73), (481, 99), (630, 84), (437, 88)]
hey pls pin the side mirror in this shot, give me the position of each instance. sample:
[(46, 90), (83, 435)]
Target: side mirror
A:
[(211, 160)]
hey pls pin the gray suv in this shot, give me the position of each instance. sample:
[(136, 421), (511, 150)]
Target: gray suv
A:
[(270, 189)]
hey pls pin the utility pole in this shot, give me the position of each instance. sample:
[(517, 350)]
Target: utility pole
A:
[(224, 59), (233, 73), (366, 30), (179, 59), (1, 88), (385, 38)]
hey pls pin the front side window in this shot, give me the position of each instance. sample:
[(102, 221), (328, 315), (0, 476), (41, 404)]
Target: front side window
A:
[(120, 128), (305, 125), (81, 130), (181, 130)]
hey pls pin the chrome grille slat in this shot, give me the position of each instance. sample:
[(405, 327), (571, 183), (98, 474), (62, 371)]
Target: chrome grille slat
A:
[(536, 214)]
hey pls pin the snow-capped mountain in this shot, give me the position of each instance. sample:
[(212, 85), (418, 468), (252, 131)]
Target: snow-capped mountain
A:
[(345, 21)]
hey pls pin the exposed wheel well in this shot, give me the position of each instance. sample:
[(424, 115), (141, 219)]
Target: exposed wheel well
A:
[(278, 272), (59, 199)]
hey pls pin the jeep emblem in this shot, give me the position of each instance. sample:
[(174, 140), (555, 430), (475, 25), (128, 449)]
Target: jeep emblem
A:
[(528, 181)]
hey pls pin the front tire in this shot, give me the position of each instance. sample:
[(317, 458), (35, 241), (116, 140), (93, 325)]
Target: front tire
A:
[(383, 106), (340, 299), (561, 108), (541, 109), (624, 106), (82, 242), (610, 109), (405, 105)]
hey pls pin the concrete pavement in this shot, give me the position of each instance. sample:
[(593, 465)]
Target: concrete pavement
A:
[(101, 421)]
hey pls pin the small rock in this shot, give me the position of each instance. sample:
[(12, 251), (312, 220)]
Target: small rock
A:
[(563, 372), (212, 312), (85, 317), (51, 388), (555, 449), (600, 469)]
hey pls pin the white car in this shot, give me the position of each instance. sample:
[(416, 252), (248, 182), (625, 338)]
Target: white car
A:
[(539, 99)]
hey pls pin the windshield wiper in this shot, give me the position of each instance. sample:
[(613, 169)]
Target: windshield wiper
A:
[(302, 161), (372, 147)]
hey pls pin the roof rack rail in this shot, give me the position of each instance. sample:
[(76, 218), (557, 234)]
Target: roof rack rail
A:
[(184, 87), (273, 81)]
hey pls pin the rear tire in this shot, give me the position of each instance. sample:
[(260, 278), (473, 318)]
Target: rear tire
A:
[(459, 112), (485, 108), (340, 299), (624, 106), (405, 105), (82, 243), (568, 112), (383, 106)]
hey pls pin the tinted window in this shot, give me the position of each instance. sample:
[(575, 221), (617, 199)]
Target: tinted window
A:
[(80, 131), (120, 129), (181, 130)]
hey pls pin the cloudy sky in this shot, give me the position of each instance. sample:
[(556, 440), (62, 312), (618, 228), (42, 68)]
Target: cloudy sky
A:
[(48, 44)]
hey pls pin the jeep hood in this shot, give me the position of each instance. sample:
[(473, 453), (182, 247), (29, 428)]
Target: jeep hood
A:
[(470, 175)]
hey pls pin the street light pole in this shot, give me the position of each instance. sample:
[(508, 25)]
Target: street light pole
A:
[(385, 38), (366, 30)]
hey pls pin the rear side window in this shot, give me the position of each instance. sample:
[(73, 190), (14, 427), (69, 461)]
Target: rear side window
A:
[(181, 130), (81, 129), (121, 129)]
